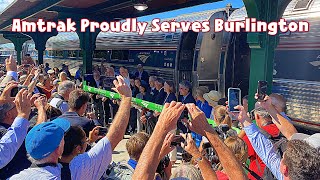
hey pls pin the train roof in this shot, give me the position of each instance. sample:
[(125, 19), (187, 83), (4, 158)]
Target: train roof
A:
[(296, 9)]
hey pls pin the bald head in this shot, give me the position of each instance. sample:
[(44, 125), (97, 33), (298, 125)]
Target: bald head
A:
[(279, 102)]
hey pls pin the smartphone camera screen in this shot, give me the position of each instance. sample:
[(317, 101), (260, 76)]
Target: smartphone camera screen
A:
[(234, 95), (262, 89)]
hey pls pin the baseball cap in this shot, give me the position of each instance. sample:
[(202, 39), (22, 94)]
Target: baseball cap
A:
[(312, 140), (45, 138), (4, 108)]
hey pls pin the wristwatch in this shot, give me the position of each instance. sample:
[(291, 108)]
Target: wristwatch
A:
[(198, 159)]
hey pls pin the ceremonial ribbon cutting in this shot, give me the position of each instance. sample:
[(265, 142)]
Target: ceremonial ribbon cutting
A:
[(139, 102)]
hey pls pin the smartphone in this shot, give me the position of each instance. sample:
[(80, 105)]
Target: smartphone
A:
[(186, 113), (103, 131), (206, 145), (177, 140), (15, 90), (262, 90), (234, 98)]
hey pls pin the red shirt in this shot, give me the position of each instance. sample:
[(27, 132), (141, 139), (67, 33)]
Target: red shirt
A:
[(256, 163), (221, 175)]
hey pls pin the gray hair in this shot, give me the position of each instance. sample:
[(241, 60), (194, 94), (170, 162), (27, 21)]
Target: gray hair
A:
[(65, 87), (262, 112), (187, 171), (279, 101), (186, 84), (153, 78)]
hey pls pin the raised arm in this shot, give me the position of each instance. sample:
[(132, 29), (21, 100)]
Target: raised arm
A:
[(261, 145), (40, 104), (14, 137), (199, 124), (30, 76), (286, 127), (33, 83), (149, 158), (120, 122), (204, 165), (11, 67)]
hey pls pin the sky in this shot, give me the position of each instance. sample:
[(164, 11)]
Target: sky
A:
[(204, 7), (4, 4)]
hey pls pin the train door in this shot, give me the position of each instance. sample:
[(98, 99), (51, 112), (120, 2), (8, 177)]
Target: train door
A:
[(237, 63), (185, 56)]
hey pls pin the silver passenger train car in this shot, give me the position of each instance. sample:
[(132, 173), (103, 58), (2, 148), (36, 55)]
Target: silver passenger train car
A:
[(217, 60)]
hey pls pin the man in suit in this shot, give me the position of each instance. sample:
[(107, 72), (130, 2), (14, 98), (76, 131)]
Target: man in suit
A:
[(161, 96), (185, 90), (153, 90), (143, 75), (97, 100)]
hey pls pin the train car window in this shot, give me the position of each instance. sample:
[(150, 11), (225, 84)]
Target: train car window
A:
[(101, 54), (120, 54), (168, 37), (72, 54), (58, 53), (50, 53), (303, 5)]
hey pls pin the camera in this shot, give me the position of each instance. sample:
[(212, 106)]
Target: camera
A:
[(177, 140), (103, 131), (185, 113), (163, 164), (262, 90), (15, 90)]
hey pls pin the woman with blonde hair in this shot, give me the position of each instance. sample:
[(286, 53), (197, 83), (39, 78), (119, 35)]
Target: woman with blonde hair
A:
[(186, 171), (63, 76), (239, 148), (221, 116)]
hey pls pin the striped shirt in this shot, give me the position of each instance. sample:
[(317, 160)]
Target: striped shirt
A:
[(92, 164)]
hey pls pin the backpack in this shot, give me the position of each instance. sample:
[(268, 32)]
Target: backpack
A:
[(119, 171), (279, 145)]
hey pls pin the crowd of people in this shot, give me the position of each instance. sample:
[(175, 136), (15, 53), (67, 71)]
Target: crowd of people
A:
[(51, 129)]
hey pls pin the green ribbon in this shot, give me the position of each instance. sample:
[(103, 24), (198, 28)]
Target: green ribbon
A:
[(139, 102)]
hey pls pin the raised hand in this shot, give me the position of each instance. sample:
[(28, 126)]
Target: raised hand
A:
[(11, 64), (40, 102), (191, 147), (94, 134), (199, 123), (242, 115), (121, 87), (143, 119), (166, 146), (22, 102), (6, 94), (266, 103), (170, 115)]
